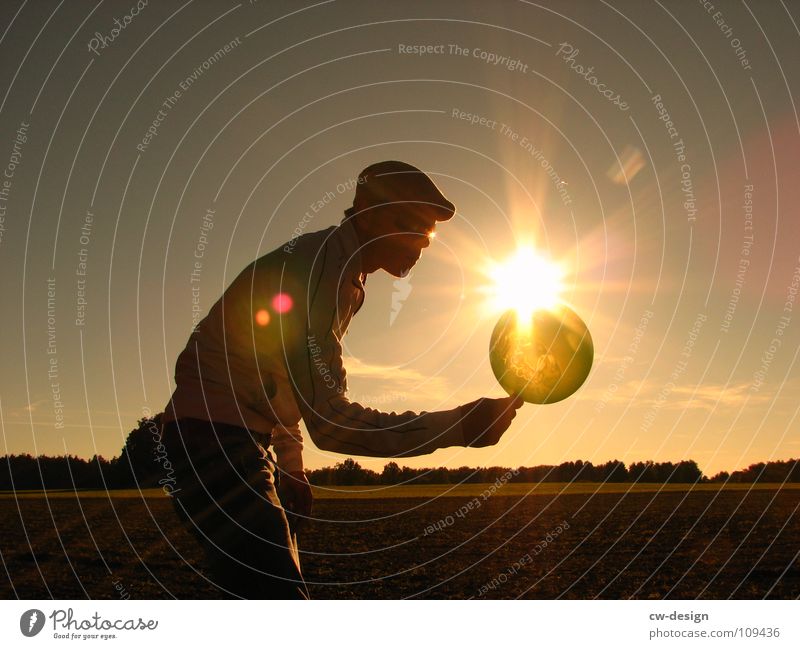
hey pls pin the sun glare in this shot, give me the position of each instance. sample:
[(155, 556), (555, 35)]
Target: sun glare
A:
[(525, 282)]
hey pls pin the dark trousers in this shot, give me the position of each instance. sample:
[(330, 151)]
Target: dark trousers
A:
[(225, 493)]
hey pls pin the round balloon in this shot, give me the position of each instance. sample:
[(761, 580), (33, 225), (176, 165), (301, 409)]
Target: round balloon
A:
[(544, 359)]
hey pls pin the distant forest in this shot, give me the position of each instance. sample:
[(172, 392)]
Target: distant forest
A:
[(141, 464)]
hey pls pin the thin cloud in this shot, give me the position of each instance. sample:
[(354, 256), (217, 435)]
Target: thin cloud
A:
[(397, 380), (644, 394), (23, 411), (708, 396)]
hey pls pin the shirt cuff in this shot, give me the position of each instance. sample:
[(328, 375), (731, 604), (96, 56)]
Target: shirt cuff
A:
[(449, 422), (288, 445), (290, 460)]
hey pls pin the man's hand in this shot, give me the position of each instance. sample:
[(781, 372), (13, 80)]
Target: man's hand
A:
[(296, 496), (485, 420)]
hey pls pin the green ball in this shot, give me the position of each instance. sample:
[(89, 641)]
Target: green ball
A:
[(544, 359)]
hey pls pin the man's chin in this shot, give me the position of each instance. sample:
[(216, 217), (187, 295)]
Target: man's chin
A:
[(400, 272)]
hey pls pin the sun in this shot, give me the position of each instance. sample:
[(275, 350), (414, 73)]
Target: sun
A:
[(526, 281)]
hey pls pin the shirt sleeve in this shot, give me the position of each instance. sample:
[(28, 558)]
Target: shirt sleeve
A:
[(318, 379), (288, 444)]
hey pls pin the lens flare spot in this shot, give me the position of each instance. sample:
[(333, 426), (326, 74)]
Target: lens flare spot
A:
[(282, 302), (262, 317)]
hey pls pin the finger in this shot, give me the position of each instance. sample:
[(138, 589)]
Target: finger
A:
[(289, 501), (512, 403), (306, 504), (297, 522)]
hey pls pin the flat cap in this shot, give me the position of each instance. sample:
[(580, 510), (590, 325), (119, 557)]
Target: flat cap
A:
[(392, 181)]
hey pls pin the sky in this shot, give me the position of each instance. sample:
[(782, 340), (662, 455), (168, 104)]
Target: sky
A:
[(651, 149)]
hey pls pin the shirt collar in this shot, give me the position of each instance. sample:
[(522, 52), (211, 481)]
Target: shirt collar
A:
[(351, 252)]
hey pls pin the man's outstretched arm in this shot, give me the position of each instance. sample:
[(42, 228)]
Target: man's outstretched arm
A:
[(337, 424), (318, 379)]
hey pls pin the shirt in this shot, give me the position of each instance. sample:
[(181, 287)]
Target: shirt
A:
[(269, 353)]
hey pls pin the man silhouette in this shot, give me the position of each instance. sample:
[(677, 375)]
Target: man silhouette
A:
[(268, 354)]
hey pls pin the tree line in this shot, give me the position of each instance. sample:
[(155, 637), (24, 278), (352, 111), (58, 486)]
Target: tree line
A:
[(350, 472), (138, 465)]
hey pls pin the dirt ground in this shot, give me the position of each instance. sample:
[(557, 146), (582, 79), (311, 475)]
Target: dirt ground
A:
[(641, 545)]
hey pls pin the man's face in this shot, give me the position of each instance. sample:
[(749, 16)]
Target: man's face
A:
[(400, 234)]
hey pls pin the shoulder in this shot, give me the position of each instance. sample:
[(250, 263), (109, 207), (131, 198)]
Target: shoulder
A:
[(296, 253), (293, 265), (308, 246)]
